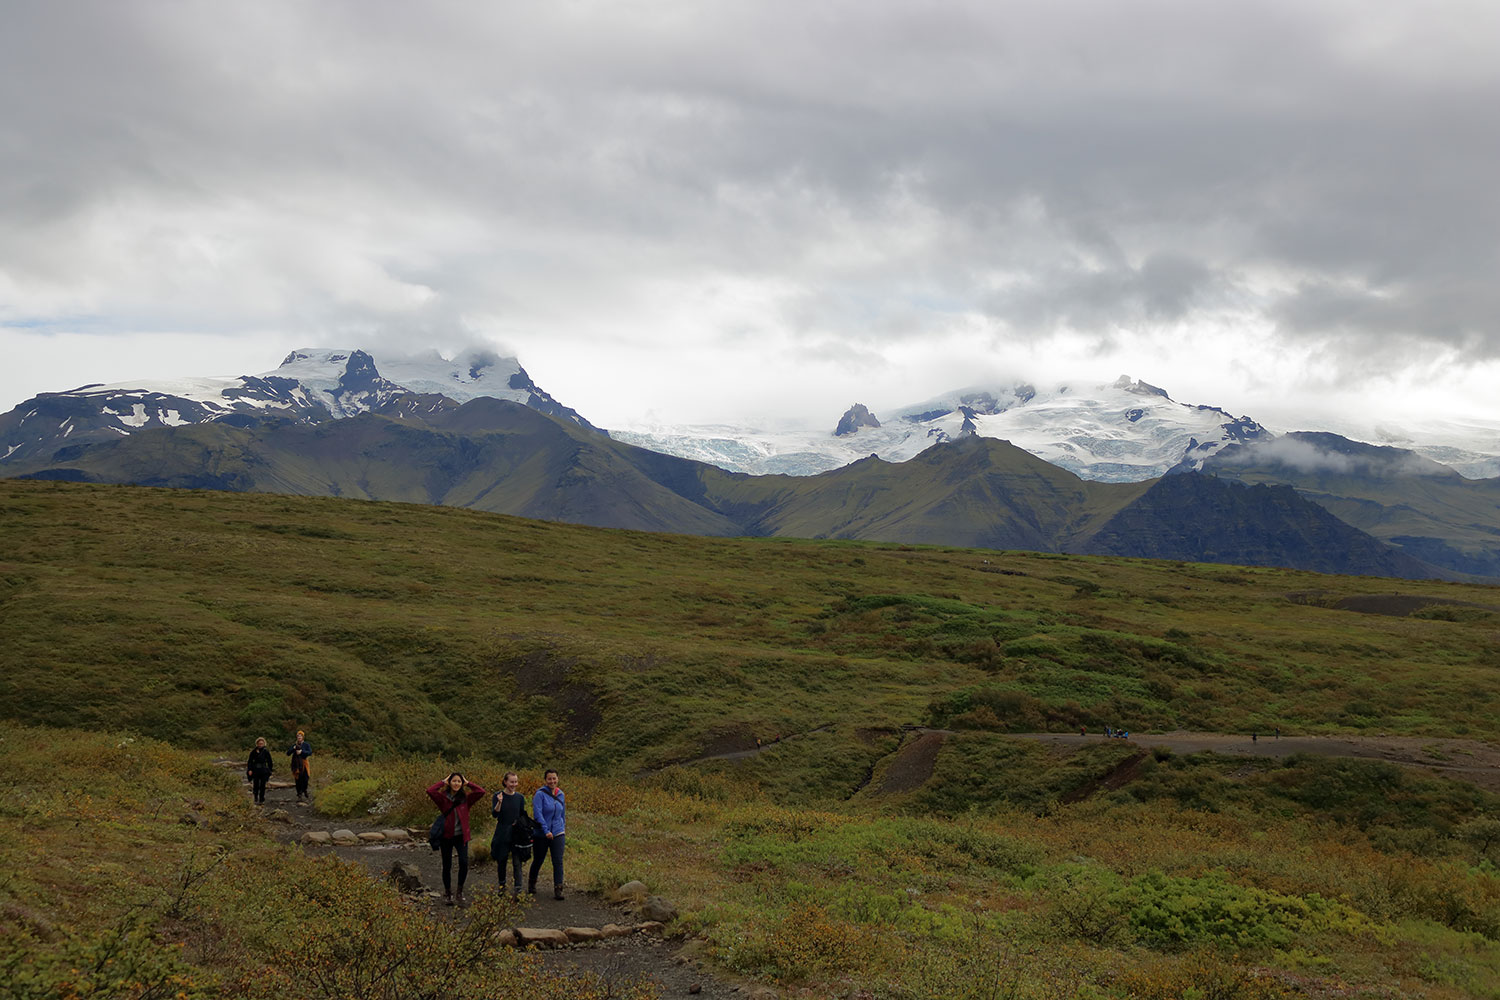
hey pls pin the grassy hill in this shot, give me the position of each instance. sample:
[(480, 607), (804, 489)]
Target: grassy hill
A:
[(203, 617), (1424, 508), (849, 855), (502, 457)]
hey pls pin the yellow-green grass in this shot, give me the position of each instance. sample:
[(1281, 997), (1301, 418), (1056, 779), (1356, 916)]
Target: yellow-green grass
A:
[(210, 618), (408, 640), (136, 870), (1112, 898)]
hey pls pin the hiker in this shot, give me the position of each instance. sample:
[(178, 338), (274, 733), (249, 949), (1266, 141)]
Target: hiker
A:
[(258, 769), (453, 796), (549, 808), (300, 751), (512, 839)]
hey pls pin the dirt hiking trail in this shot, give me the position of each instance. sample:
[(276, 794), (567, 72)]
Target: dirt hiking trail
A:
[(674, 967), (1467, 760), (671, 965)]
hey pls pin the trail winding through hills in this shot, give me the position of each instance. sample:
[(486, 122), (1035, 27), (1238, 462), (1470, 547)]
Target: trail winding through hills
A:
[(670, 964), (1467, 760), (913, 759), (675, 969)]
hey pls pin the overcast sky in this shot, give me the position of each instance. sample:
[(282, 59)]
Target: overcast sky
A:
[(697, 211)]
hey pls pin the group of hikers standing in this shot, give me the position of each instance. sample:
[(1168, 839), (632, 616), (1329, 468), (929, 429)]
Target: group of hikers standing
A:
[(258, 769), (517, 836)]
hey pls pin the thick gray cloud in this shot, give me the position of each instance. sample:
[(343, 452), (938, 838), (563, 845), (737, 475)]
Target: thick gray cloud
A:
[(842, 187)]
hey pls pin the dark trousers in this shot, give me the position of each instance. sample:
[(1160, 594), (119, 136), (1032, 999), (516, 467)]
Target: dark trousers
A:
[(515, 869), (451, 844), (301, 784), (258, 785), (542, 847)]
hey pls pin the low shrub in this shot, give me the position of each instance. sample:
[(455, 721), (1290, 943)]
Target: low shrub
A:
[(349, 798), (1171, 913)]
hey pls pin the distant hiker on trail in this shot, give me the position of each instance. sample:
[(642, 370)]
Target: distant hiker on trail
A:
[(258, 769), (512, 839), (454, 796), (549, 806), (300, 751)]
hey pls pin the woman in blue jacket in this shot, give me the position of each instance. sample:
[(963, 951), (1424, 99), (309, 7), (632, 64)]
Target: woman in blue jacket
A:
[(549, 809)]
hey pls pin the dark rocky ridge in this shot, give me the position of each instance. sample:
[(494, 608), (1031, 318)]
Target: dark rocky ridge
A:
[(500, 456), (854, 418)]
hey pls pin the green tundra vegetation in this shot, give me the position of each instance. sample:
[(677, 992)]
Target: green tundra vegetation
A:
[(144, 630)]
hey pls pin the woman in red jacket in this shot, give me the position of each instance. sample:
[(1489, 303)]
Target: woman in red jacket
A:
[(454, 797)]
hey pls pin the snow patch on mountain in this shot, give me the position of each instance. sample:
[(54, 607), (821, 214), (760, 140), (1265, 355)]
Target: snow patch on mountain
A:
[(1126, 431), (310, 385)]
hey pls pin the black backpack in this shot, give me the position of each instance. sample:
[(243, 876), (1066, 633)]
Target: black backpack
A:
[(518, 840), (523, 833)]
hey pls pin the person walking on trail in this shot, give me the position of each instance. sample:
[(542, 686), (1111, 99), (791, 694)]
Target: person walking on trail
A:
[(258, 769), (512, 839), (453, 797), (300, 751), (549, 807)]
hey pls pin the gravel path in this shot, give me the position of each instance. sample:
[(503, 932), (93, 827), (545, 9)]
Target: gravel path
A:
[(1468, 760), (672, 965)]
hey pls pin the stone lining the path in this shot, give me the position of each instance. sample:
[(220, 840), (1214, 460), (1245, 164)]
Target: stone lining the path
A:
[(515, 937), (348, 838), (553, 937)]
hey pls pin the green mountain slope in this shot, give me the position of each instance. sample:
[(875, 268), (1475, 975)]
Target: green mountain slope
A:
[(502, 457), (1204, 519), (202, 616), (1425, 509), (976, 492)]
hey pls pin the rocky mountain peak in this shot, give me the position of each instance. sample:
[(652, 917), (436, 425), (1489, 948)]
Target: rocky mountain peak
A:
[(1138, 387), (854, 418)]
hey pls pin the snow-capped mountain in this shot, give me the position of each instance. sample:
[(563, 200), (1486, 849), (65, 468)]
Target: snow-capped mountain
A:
[(1126, 431), (310, 385)]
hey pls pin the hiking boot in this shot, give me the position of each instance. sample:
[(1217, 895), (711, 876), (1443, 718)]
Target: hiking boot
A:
[(447, 899), (531, 888), (459, 900), (557, 892)]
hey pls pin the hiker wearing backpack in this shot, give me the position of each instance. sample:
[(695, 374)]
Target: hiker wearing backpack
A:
[(258, 769), (453, 797), (549, 806), (300, 751), (513, 831)]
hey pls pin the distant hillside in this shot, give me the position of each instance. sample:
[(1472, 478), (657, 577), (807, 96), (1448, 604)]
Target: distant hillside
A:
[(1424, 509), (503, 457), (205, 617)]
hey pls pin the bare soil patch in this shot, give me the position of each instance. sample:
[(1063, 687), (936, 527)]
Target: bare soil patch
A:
[(1121, 775), (911, 767), (1394, 605)]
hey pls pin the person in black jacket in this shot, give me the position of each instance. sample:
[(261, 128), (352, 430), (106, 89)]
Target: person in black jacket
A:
[(300, 751), (508, 806), (258, 769)]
